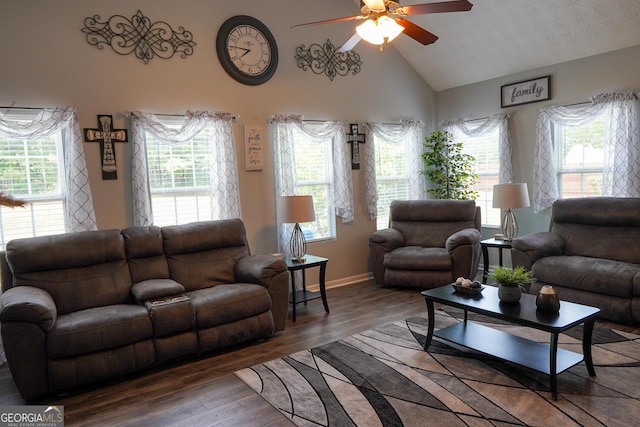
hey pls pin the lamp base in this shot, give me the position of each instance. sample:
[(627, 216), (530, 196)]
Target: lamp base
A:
[(509, 225), (297, 245)]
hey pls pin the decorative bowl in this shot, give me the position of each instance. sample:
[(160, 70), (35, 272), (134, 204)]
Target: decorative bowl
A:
[(467, 290)]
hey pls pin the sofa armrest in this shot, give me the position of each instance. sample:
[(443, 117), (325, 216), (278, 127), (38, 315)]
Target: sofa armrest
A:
[(272, 273), (381, 242), (28, 304), (468, 236), (527, 249), (464, 248), (259, 269), (387, 239)]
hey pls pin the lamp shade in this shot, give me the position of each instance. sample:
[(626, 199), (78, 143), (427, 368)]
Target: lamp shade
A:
[(377, 31), (509, 196), (294, 209)]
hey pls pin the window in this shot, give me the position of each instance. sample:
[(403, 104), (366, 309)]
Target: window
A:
[(392, 176), (179, 179), (313, 170), (31, 170), (485, 149), (580, 152)]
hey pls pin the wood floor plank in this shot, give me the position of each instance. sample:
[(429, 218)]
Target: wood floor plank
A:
[(204, 392)]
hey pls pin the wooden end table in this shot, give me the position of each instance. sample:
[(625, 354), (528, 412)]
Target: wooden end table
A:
[(545, 358), (304, 295), (492, 243)]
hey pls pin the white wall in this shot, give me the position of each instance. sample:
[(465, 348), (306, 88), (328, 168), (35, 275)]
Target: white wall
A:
[(571, 82), (46, 61)]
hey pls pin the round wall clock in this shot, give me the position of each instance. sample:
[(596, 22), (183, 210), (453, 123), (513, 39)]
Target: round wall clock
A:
[(247, 50)]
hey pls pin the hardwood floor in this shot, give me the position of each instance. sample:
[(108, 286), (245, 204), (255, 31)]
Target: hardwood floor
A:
[(204, 391)]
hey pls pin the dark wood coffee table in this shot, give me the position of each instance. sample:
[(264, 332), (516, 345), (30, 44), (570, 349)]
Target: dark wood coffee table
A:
[(545, 358)]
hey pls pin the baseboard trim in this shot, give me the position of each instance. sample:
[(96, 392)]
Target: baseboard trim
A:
[(345, 281)]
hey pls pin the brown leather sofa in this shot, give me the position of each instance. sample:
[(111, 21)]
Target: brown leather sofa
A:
[(81, 307), (429, 243), (590, 255)]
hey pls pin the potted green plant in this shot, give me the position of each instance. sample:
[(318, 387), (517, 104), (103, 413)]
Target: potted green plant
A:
[(511, 282), (447, 168)]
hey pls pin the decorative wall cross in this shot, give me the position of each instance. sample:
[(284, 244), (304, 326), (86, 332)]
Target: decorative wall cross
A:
[(106, 136), (355, 139)]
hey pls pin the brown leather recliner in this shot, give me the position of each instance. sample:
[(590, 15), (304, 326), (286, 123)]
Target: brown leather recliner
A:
[(429, 243)]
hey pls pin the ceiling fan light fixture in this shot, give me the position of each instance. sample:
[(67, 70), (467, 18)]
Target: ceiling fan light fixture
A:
[(368, 31), (377, 31), (389, 28)]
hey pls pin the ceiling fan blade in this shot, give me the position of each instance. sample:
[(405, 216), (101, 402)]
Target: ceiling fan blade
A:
[(440, 7), (417, 33), (329, 21), (375, 5), (351, 43)]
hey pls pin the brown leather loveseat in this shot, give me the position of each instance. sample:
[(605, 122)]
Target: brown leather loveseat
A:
[(590, 255), (81, 307)]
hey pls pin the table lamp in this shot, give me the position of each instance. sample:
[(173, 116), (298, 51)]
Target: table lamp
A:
[(296, 209), (509, 197)]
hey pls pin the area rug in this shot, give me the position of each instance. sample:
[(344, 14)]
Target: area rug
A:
[(383, 377)]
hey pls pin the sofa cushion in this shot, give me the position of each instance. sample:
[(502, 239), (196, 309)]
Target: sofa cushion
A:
[(229, 303), (429, 223), (98, 329), (599, 227), (204, 254), (80, 270), (418, 258), (145, 253), (596, 275)]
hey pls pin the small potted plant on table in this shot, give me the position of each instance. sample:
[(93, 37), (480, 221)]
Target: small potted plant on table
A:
[(511, 282)]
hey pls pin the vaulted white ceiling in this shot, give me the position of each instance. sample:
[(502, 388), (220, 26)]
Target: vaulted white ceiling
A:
[(502, 37)]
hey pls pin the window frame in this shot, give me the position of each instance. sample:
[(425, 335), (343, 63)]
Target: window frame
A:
[(176, 192), (486, 203), (38, 226), (328, 183), (384, 213), (559, 145)]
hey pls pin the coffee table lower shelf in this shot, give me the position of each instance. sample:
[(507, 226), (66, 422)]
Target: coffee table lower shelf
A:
[(507, 347)]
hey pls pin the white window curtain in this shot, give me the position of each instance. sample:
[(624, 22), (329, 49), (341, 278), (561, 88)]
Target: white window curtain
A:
[(78, 204), (341, 194), (621, 175), (463, 127), (225, 194), (408, 129)]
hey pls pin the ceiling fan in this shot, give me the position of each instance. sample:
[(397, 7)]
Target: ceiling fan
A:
[(384, 20)]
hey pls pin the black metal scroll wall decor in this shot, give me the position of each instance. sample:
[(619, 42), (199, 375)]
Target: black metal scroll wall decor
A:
[(138, 35), (327, 60)]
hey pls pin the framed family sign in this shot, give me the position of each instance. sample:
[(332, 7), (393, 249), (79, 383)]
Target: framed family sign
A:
[(525, 92)]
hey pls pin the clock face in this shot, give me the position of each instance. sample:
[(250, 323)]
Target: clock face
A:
[(247, 50)]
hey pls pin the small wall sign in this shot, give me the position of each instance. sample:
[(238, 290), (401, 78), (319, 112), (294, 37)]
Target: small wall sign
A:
[(253, 153), (525, 92)]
